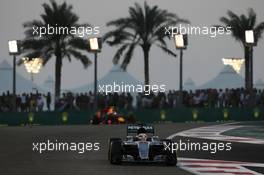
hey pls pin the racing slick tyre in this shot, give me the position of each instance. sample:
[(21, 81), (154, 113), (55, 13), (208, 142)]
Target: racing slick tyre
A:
[(171, 157), (109, 145), (115, 152)]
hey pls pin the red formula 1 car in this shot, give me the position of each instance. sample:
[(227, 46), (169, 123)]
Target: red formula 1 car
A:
[(110, 115)]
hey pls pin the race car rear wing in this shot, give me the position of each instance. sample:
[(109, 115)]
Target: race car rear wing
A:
[(133, 129)]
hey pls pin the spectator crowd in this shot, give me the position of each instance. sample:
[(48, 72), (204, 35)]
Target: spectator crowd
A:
[(25, 102), (85, 101)]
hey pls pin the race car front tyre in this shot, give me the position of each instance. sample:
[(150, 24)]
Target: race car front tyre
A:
[(109, 145), (171, 156), (115, 152), (171, 159)]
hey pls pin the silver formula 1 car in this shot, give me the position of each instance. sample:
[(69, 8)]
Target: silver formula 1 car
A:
[(140, 145)]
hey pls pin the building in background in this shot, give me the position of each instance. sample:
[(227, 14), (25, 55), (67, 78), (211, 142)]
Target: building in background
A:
[(189, 85), (49, 84), (116, 74), (227, 78), (259, 84)]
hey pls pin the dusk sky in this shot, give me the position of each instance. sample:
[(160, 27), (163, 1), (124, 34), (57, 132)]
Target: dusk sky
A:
[(202, 59)]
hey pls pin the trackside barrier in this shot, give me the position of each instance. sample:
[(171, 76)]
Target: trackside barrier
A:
[(141, 115)]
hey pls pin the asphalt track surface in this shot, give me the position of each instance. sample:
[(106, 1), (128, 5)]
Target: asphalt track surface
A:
[(17, 157)]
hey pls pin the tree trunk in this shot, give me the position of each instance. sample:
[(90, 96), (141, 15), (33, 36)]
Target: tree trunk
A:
[(58, 67), (146, 64), (248, 51)]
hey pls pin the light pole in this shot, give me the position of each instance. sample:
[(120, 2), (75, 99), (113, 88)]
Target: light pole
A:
[(33, 66), (249, 42), (181, 43), (14, 50), (95, 46)]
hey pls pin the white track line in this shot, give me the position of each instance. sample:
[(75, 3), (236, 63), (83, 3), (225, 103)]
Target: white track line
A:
[(215, 167), (215, 133)]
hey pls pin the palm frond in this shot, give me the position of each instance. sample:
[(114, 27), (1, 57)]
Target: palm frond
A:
[(118, 36), (258, 31), (128, 56), (119, 53), (251, 18), (78, 43), (79, 56), (167, 50)]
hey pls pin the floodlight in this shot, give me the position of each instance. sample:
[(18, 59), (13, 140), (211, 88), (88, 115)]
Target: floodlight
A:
[(13, 47), (249, 36), (180, 41), (95, 44)]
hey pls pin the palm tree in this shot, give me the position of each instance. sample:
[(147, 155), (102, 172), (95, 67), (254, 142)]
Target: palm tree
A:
[(61, 45), (239, 24), (143, 27)]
